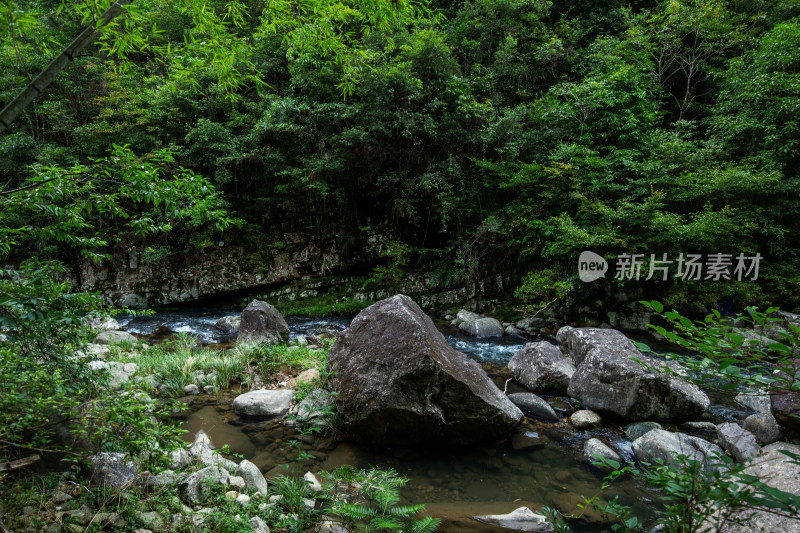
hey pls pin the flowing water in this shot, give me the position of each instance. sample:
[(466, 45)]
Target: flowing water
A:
[(542, 465)]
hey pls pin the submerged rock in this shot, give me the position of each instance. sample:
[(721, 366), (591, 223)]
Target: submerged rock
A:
[(262, 323), (542, 368), (521, 519), (400, 383), (610, 377)]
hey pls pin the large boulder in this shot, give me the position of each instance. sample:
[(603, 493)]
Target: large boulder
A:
[(542, 368), (578, 342), (780, 472), (660, 445), (263, 402), (610, 377), (740, 443), (196, 488), (262, 323), (483, 328), (114, 337), (113, 470), (400, 383)]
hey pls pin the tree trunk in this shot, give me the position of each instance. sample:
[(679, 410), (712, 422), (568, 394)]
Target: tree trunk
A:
[(46, 77)]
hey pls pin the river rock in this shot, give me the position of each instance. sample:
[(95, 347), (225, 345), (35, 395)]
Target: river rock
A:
[(778, 471), (400, 383), (585, 419), (764, 427), (608, 379), (263, 402), (758, 402), (533, 405), (740, 443), (521, 519), (194, 489), (228, 324), (102, 323), (634, 431), (262, 323), (203, 450), (118, 373), (113, 470), (114, 337), (576, 343), (482, 328), (594, 447), (664, 445), (313, 406), (253, 478), (542, 368), (530, 323), (467, 316)]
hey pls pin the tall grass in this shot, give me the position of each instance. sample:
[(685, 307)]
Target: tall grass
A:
[(176, 363)]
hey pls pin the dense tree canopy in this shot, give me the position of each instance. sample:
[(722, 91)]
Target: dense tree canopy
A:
[(518, 131)]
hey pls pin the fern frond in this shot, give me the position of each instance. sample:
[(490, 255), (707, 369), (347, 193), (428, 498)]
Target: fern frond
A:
[(426, 524)]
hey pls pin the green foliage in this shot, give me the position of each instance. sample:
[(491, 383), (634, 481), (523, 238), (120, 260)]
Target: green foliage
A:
[(541, 288), (752, 351), (696, 498), (367, 501)]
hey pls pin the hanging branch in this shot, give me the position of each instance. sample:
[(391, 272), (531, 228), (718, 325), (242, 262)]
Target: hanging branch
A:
[(46, 77)]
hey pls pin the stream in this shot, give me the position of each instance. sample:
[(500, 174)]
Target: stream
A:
[(542, 465)]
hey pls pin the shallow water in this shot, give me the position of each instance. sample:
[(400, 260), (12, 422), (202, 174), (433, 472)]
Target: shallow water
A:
[(541, 466)]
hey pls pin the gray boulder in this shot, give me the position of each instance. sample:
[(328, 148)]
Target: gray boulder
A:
[(634, 431), (595, 447), (533, 405), (609, 379), (118, 373), (262, 323), (578, 342), (758, 402), (764, 427), (253, 478), (530, 323), (585, 419), (203, 450), (263, 402), (542, 368), (313, 406), (741, 444), (400, 383), (228, 324), (113, 470), (778, 471), (114, 337), (521, 519), (659, 444), (102, 323), (482, 328), (195, 489), (466, 316)]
